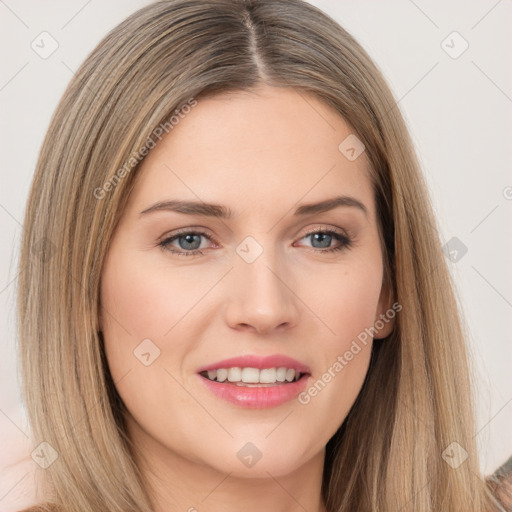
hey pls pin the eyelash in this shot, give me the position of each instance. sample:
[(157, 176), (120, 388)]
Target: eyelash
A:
[(345, 241)]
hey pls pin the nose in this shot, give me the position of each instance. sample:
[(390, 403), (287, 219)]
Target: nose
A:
[(261, 296)]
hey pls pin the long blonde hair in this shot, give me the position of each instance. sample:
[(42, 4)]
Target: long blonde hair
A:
[(415, 402)]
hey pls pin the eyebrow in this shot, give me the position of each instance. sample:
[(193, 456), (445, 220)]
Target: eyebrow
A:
[(223, 212)]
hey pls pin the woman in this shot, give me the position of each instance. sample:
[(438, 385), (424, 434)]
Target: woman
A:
[(307, 352)]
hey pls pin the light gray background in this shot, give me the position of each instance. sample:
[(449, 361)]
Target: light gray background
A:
[(458, 111)]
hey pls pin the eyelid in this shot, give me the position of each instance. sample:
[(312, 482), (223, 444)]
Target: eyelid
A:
[(204, 231), (168, 237), (191, 229), (339, 231)]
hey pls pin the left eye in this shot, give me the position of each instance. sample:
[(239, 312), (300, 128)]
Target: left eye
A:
[(190, 242), (327, 236)]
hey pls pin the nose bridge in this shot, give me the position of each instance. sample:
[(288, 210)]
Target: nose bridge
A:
[(262, 295)]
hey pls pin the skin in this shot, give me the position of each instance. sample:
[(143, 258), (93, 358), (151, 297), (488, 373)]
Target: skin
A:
[(262, 154)]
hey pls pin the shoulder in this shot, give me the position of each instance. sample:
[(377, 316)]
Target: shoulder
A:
[(47, 507), (17, 486), (500, 484)]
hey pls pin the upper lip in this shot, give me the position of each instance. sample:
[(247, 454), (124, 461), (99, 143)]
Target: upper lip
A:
[(259, 362)]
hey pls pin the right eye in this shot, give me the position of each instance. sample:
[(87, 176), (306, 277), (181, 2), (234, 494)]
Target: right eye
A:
[(188, 247)]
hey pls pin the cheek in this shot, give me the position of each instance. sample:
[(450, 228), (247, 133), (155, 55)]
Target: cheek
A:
[(136, 298), (141, 300), (347, 300), (139, 304), (347, 306)]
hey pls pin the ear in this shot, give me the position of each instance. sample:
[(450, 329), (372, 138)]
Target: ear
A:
[(386, 312)]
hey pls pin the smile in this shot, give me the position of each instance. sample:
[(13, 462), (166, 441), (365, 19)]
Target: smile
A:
[(253, 376), (254, 381)]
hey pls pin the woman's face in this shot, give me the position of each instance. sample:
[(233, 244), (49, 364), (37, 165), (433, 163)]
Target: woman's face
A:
[(253, 285)]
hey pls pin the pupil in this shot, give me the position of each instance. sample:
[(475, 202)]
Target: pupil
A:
[(323, 236), (189, 240)]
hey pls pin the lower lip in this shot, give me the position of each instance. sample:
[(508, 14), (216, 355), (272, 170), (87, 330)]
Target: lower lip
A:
[(256, 397)]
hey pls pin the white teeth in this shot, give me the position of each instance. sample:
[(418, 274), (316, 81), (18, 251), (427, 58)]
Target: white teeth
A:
[(268, 376), (250, 375), (222, 374), (254, 375), (235, 374)]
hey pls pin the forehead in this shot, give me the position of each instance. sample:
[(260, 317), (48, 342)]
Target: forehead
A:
[(255, 149)]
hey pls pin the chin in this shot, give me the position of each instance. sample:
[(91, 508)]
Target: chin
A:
[(256, 459)]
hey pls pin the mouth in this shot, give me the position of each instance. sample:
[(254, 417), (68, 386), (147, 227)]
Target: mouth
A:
[(256, 382), (254, 377)]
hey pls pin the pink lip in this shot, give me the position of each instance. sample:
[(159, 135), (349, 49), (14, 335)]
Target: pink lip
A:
[(273, 361), (257, 397)]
